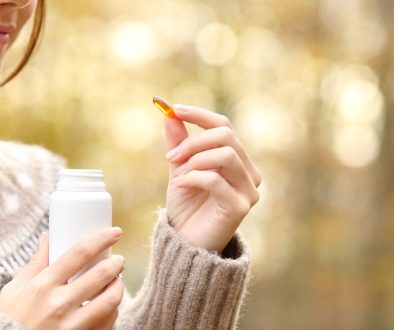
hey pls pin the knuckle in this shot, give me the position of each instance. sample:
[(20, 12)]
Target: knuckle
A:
[(226, 132), (225, 121), (104, 272), (255, 197), (38, 286), (229, 153), (193, 161), (214, 178), (259, 178), (83, 252), (243, 208), (58, 307), (113, 300), (47, 276)]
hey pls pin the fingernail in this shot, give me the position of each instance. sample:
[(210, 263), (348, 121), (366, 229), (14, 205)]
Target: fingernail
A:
[(173, 152), (120, 257), (116, 231), (179, 108)]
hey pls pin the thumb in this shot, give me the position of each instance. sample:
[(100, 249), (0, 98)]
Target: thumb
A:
[(38, 261), (176, 132)]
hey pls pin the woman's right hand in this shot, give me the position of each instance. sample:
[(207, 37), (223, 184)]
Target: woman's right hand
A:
[(40, 298)]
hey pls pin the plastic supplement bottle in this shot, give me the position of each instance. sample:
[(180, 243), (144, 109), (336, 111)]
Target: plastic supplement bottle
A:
[(79, 206)]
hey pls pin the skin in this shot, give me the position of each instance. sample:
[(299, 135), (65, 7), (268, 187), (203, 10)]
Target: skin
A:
[(17, 14), (40, 298), (212, 186), (212, 180)]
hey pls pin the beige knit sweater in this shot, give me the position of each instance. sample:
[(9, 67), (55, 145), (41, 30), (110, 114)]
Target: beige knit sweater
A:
[(185, 287)]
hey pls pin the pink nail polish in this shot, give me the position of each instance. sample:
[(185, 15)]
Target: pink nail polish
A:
[(172, 153), (179, 108), (116, 231)]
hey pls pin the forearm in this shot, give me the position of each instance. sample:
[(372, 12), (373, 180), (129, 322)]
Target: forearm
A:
[(188, 287)]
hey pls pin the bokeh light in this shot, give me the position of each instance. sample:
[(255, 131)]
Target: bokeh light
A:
[(352, 94), (264, 125), (308, 86), (356, 146), (216, 43), (262, 54), (134, 43), (129, 134)]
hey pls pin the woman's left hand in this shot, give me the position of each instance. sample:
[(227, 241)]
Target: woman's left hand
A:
[(212, 180)]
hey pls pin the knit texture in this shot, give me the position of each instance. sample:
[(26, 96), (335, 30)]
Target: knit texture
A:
[(185, 287), (7, 323), (28, 175), (188, 287)]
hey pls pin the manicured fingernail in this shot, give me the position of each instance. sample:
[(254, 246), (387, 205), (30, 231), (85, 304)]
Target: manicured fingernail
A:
[(116, 231), (119, 257), (173, 152), (180, 108)]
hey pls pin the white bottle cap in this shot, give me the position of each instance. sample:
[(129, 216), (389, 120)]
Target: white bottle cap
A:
[(80, 180)]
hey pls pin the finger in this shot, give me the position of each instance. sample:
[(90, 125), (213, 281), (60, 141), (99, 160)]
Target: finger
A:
[(102, 306), (227, 163), (215, 138), (82, 253), (229, 202), (108, 322), (200, 117), (216, 232), (96, 278), (175, 132), (37, 262)]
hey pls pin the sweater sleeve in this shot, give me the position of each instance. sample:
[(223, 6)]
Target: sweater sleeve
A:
[(6, 323), (188, 287)]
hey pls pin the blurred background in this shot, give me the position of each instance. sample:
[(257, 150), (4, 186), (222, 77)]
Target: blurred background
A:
[(309, 88)]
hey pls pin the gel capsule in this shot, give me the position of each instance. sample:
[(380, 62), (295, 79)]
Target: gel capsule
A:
[(164, 106)]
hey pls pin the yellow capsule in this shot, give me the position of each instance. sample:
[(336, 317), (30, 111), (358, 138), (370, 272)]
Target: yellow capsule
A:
[(164, 106)]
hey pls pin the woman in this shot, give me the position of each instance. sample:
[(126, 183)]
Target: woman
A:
[(199, 266)]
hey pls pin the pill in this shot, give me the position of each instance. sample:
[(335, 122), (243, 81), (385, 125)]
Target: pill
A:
[(164, 106)]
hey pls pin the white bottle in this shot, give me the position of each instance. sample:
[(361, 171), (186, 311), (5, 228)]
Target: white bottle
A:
[(79, 206)]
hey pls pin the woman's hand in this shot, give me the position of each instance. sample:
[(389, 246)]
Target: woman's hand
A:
[(40, 298), (212, 181)]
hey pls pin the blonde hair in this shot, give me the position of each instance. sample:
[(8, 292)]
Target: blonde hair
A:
[(38, 24)]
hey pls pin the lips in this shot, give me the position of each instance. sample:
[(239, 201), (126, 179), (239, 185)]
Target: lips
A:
[(5, 31), (4, 38)]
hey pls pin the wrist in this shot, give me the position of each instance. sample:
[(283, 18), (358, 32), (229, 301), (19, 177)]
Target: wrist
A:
[(214, 240)]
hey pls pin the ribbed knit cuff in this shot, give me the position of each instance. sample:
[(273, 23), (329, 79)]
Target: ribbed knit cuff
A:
[(6, 323), (189, 287)]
